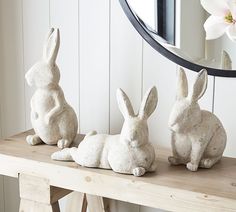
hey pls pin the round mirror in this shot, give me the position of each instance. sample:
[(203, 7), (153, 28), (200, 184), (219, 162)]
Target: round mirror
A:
[(177, 30)]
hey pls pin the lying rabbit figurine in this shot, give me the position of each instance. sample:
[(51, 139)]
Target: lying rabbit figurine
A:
[(198, 137), (129, 152), (53, 119)]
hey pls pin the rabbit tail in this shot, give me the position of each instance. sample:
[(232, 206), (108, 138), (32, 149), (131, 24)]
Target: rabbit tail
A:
[(63, 155)]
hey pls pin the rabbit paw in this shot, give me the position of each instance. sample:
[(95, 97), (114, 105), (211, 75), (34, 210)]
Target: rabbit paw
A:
[(139, 171), (209, 162), (33, 140), (63, 143), (62, 155), (206, 163), (173, 160), (192, 167)]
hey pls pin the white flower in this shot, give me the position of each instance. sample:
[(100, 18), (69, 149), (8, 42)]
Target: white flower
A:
[(222, 19)]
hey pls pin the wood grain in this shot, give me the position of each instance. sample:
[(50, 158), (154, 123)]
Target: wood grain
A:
[(170, 188)]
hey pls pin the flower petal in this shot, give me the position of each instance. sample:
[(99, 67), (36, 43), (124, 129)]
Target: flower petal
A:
[(215, 27), (231, 32), (215, 7), (232, 7)]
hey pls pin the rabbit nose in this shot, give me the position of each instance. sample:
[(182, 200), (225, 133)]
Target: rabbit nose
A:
[(133, 136)]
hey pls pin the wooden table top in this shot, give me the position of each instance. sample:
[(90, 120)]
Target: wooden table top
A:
[(171, 187)]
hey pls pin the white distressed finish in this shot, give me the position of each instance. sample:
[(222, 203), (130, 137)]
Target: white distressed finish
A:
[(94, 65), (125, 67), (128, 152), (202, 128), (38, 195), (33, 38), (53, 119), (224, 105), (64, 15)]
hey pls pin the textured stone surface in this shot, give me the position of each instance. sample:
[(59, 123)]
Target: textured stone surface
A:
[(198, 136), (53, 119), (129, 152)]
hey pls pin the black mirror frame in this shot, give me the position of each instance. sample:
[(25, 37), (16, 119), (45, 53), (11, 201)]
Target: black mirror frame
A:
[(165, 52)]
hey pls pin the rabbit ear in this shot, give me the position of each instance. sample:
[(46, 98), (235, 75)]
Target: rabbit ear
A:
[(200, 85), (124, 104), (51, 46), (148, 104), (48, 36), (182, 85)]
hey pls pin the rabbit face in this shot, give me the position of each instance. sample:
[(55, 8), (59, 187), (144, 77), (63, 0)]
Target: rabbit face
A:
[(135, 131), (42, 74), (186, 112), (184, 116), (135, 128), (46, 72)]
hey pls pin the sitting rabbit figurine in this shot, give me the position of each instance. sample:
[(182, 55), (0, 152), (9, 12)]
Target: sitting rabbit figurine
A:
[(198, 137), (53, 119), (129, 152)]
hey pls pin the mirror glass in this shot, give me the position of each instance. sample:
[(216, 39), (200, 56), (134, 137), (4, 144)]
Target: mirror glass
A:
[(178, 25)]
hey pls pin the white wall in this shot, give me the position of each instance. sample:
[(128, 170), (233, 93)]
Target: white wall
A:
[(100, 51)]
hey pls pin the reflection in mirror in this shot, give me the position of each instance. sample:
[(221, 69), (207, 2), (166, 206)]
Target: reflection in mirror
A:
[(158, 16), (178, 25)]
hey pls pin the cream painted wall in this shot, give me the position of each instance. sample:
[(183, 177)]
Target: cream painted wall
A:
[(100, 51)]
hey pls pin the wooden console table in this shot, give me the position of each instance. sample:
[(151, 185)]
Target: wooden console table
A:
[(43, 181)]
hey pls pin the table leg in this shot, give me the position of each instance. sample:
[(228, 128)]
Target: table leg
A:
[(76, 202), (97, 204), (31, 206), (37, 195)]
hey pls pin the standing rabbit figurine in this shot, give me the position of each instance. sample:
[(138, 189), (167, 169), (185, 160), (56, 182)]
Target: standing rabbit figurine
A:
[(53, 119), (129, 152), (198, 137)]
